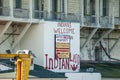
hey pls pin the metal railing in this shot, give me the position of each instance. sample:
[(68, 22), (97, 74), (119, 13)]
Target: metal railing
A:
[(117, 20), (21, 13), (90, 20), (75, 17), (39, 14), (56, 16), (4, 11), (106, 22)]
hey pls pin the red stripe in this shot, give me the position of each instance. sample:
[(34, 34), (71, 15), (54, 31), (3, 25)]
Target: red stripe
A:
[(62, 48)]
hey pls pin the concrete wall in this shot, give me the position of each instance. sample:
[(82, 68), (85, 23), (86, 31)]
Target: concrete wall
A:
[(73, 6), (110, 78), (116, 10), (5, 3), (6, 79), (108, 42), (40, 39), (47, 79), (33, 40), (36, 79), (83, 76)]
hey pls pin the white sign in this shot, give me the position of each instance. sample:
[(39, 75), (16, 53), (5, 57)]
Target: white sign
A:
[(62, 46), (69, 48)]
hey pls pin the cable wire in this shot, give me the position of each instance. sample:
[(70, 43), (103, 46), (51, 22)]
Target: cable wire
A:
[(107, 53), (8, 37)]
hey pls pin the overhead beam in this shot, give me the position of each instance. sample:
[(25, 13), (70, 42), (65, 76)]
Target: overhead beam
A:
[(114, 45), (5, 28), (105, 34), (89, 37), (21, 35)]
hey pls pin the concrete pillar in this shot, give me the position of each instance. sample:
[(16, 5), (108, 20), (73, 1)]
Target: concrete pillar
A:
[(113, 13), (11, 7), (66, 2), (82, 12), (97, 12), (30, 9), (49, 8)]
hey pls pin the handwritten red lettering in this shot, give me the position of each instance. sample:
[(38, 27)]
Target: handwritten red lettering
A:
[(64, 31), (67, 64), (64, 24)]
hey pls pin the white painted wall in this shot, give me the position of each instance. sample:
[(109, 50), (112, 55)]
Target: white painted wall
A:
[(50, 29), (40, 39), (33, 40), (110, 78), (83, 76), (5, 44)]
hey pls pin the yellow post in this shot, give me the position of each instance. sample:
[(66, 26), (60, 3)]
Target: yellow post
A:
[(18, 71), (26, 62), (23, 64)]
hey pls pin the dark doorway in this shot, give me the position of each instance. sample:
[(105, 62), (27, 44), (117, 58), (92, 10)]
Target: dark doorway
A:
[(92, 11), (105, 7), (119, 9), (18, 4), (42, 9), (54, 9), (85, 7), (92, 7), (36, 9), (1, 7), (98, 55)]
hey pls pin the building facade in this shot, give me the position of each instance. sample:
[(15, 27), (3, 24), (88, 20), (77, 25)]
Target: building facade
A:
[(89, 30)]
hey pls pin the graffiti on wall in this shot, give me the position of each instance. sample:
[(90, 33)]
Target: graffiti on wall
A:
[(62, 46), (63, 36), (72, 63), (64, 28)]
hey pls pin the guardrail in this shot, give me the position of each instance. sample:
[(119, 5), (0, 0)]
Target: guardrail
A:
[(117, 20), (4, 11), (56, 16), (106, 21), (63, 16), (21, 13), (90, 20)]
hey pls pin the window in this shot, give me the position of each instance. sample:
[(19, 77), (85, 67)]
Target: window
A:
[(36, 9), (1, 5), (36, 3), (92, 7), (85, 7), (105, 7), (18, 3), (119, 9), (62, 6)]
